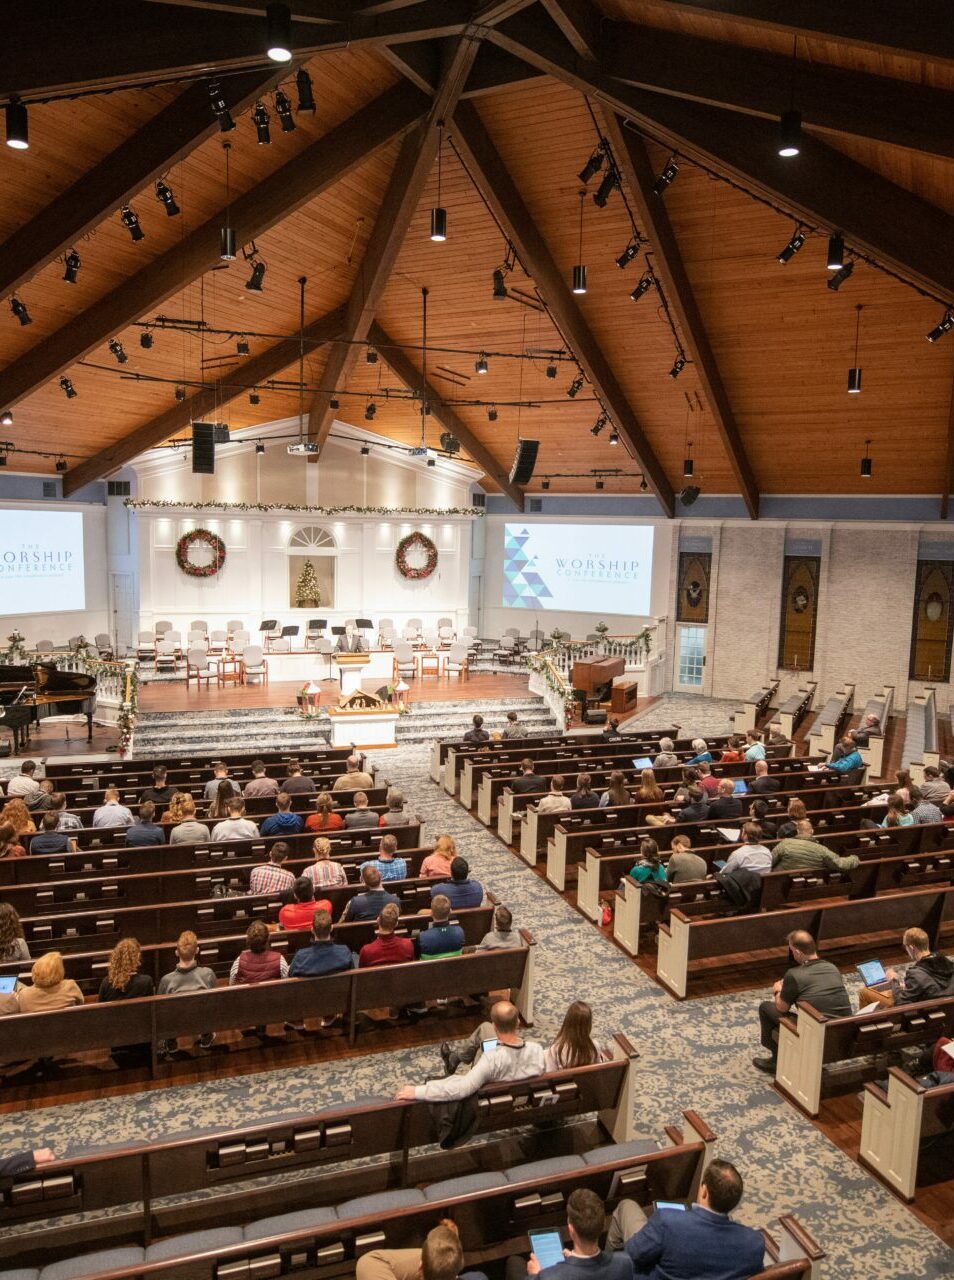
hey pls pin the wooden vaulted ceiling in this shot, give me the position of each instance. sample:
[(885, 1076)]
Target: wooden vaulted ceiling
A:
[(523, 90)]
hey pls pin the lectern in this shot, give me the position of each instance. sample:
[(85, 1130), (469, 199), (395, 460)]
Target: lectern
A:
[(350, 666)]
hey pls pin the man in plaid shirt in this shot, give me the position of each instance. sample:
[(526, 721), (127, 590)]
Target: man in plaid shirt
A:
[(271, 876), (390, 867)]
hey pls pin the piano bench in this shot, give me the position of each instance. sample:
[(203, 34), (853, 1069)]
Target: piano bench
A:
[(595, 715)]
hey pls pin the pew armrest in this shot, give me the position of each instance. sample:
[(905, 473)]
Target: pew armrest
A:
[(627, 1047), (527, 938)]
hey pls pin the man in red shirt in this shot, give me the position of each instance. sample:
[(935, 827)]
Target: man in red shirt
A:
[(298, 915), (386, 948)]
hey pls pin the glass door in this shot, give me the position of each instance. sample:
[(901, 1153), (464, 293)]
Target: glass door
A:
[(690, 658)]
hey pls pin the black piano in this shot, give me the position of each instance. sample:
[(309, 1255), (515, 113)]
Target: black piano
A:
[(47, 691)]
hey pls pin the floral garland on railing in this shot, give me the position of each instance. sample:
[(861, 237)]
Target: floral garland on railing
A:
[(129, 703), (641, 643), (541, 664), (167, 504)]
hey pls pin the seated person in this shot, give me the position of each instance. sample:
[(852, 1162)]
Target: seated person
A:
[(218, 810), (123, 980), (683, 864), (666, 757), (869, 725), (236, 826), (324, 873), (733, 751), (649, 866), (13, 945), (437, 864), (386, 948), (696, 808), (513, 1059), (368, 904), (611, 730), (260, 784), (477, 734), (801, 853), (355, 778), (703, 1242), (360, 816), (707, 779), (616, 792), (528, 783), (933, 788), (727, 805), (297, 784), (188, 975), (324, 818), (649, 791), (272, 876), (257, 963), (585, 1223), (160, 793), (322, 956), (751, 854), (702, 752), (758, 813), (387, 863), (460, 890), (220, 773), (145, 831), (189, 830), (503, 935), (849, 759), (49, 839), (298, 915), (897, 814), (282, 822), (68, 821), (396, 815), (794, 814), (763, 783), (441, 938), (574, 1045), (754, 748), (924, 811), (929, 975), (811, 979), (111, 813), (555, 801), (513, 728), (10, 846), (51, 988), (441, 1258), (23, 785), (584, 797), (41, 800)]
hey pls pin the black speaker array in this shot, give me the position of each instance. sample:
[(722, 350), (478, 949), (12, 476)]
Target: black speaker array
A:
[(524, 460), (203, 449)]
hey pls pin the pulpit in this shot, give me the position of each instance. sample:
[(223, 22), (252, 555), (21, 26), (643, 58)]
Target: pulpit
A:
[(350, 667)]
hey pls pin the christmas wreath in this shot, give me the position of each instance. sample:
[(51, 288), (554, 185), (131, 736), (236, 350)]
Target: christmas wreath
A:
[(204, 538), (417, 544)]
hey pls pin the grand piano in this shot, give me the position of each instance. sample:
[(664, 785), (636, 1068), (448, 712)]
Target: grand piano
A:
[(30, 692)]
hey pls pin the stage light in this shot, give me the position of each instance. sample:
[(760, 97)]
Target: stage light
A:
[(145, 340), (643, 484), (371, 356), (365, 450), (370, 411), (449, 442), (227, 244), (255, 398), (579, 278), (116, 349), (500, 288), (306, 98), (492, 413), (688, 466), (677, 366), (438, 224), (551, 370), (242, 347), (592, 167), (838, 279), (6, 418), (790, 134), (793, 246), (259, 448), (19, 309), (575, 387), (68, 388), (61, 464), (333, 403), (254, 282), (278, 42), (600, 484), (644, 285), (836, 252), (666, 177), (284, 108), (219, 108), (545, 484), (628, 254), (18, 125), (432, 462), (165, 197), (613, 436), (480, 364), (866, 461), (260, 118), (130, 220), (180, 394), (71, 265), (854, 373), (606, 188), (945, 326), (598, 425)]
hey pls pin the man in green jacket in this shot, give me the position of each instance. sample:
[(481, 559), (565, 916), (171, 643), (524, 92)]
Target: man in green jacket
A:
[(800, 853)]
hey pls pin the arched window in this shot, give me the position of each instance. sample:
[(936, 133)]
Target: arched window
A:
[(312, 561), (311, 538)]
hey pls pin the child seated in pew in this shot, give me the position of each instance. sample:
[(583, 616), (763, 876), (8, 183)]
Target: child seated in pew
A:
[(649, 868)]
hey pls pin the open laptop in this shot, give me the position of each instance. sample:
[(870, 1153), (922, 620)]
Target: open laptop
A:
[(872, 973), (642, 762), (740, 788)]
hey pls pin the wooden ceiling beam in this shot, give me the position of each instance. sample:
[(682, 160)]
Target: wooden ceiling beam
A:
[(633, 159), (249, 373), (580, 21), (948, 459), (408, 373), (400, 202), (496, 69), (823, 187), (315, 170), (503, 198), (159, 144)]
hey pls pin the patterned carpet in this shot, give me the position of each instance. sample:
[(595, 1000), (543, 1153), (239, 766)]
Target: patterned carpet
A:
[(693, 1055)]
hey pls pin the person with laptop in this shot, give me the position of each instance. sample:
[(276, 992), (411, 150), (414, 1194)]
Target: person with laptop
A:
[(727, 804), (810, 980), (929, 975), (584, 1259)]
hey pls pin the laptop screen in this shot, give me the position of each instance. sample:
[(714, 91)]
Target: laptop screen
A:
[(872, 972), (740, 787), (642, 762)]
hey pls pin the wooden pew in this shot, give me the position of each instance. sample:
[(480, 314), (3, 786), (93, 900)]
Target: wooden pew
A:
[(881, 706), (143, 767), (810, 1042), (834, 926), (920, 735), (755, 708), (78, 801), (441, 750), (894, 1124), (829, 724), (793, 711)]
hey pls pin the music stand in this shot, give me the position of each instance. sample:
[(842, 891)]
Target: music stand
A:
[(364, 624), (338, 631)]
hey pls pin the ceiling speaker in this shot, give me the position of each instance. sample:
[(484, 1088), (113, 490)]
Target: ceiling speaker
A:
[(688, 495), (524, 460), (203, 448)]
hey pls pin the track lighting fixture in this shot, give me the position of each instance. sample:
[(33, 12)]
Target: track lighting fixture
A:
[(836, 251), (370, 411), (790, 134), (180, 394), (439, 213), (838, 279), (600, 484), (480, 364), (793, 246), (598, 425), (449, 442), (644, 285), (500, 288), (579, 271), (130, 220), (306, 98), (18, 307), (545, 484), (145, 340), (866, 461), (260, 119), (255, 398), (284, 108), (607, 186), (666, 177), (219, 108), (259, 448), (116, 349), (71, 265), (677, 366), (592, 166), (945, 326), (18, 125), (551, 370), (628, 254), (6, 418), (165, 197), (68, 389), (643, 484), (371, 356), (854, 373), (687, 464), (365, 450), (241, 347), (254, 282), (61, 464), (278, 32), (613, 436), (575, 387), (334, 403), (492, 413)]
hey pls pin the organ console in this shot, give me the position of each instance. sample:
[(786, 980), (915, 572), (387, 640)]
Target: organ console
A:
[(595, 676), (30, 692)]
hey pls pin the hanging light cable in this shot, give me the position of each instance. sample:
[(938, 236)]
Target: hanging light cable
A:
[(854, 373), (227, 233), (579, 271), (439, 213)]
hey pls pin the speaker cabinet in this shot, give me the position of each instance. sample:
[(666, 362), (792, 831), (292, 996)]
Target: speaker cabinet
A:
[(203, 448), (524, 460)]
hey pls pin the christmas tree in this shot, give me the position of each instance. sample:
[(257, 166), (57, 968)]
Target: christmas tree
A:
[(307, 590)]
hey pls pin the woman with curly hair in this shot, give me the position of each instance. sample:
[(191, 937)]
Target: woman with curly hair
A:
[(17, 815), (10, 847), (437, 864), (174, 812), (12, 942), (123, 980)]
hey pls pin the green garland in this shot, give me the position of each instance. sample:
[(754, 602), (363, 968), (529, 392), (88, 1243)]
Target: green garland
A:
[(166, 504), (128, 711), (541, 662)]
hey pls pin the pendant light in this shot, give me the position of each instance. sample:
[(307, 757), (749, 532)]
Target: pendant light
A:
[(854, 373), (439, 213), (227, 233), (866, 461), (579, 271)]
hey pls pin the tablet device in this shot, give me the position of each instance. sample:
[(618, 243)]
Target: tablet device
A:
[(8, 983), (547, 1248), (642, 762), (719, 862), (489, 1045), (740, 787), (670, 1204), (872, 973)]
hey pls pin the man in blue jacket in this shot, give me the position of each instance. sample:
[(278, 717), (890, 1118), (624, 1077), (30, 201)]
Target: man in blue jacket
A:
[(584, 1259), (698, 1243)]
